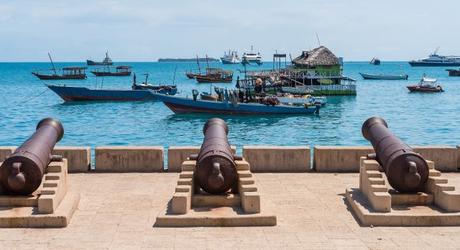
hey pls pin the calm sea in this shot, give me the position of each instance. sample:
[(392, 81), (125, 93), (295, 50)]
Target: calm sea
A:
[(420, 119)]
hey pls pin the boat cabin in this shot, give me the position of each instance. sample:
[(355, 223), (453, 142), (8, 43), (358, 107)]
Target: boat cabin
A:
[(123, 69), (72, 71)]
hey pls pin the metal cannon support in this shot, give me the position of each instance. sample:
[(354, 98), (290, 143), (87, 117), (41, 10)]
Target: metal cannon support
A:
[(22, 172), (406, 170), (215, 163)]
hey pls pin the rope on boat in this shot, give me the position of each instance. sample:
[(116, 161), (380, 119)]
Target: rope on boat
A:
[(32, 98)]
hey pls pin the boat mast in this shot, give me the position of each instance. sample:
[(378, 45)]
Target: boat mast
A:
[(198, 63), (52, 64), (174, 77), (207, 63)]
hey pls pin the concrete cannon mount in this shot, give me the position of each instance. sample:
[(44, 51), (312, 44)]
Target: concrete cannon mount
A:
[(188, 208), (50, 206), (376, 204)]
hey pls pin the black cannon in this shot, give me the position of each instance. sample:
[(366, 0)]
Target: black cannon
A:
[(215, 170), (406, 170), (22, 172)]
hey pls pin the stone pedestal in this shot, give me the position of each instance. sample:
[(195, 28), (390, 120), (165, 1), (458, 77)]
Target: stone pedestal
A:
[(50, 206), (376, 204), (190, 209)]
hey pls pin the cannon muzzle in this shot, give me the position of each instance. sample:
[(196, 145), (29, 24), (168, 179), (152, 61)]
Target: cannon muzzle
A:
[(406, 170), (22, 172), (215, 169)]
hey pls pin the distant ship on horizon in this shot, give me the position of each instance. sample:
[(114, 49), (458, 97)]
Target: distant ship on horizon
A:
[(201, 59), (230, 58), (435, 60)]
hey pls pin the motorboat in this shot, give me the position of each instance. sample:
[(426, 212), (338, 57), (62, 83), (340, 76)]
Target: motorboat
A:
[(426, 85)]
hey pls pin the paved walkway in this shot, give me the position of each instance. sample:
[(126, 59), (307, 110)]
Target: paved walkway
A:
[(117, 211)]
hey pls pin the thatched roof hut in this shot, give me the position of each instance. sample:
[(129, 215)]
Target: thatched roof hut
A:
[(320, 56)]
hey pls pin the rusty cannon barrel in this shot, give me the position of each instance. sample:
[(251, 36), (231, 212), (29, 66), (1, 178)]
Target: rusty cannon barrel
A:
[(22, 172), (215, 170), (406, 170)]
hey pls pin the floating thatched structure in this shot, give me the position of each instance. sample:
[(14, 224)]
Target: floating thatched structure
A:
[(320, 56)]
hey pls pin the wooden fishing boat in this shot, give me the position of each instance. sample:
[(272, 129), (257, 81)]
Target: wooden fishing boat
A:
[(119, 71), (426, 85), (454, 72), (384, 76), (68, 73), (106, 61), (191, 75), (69, 94), (231, 105), (215, 75), (162, 89)]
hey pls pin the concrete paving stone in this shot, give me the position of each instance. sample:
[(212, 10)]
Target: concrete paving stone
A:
[(119, 210)]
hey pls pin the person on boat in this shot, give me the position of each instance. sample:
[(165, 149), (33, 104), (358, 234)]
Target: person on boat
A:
[(237, 82), (258, 88)]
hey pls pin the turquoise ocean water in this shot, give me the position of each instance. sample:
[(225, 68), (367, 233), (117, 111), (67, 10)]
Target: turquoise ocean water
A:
[(420, 119)]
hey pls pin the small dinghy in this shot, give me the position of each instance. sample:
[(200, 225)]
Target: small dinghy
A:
[(426, 85), (384, 76)]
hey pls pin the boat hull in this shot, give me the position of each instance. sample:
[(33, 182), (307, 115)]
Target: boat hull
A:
[(433, 64), (454, 72), (69, 94), (384, 77), (207, 79), (416, 88), (60, 77), (181, 105), (96, 73)]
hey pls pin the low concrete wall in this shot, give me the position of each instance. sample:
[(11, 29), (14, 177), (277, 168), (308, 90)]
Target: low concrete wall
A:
[(338, 158), (129, 159), (444, 157), (5, 151), (458, 158), (178, 154), (346, 158), (277, 158), (78, 158)]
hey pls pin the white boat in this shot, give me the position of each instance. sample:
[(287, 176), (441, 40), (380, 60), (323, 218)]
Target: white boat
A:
[(251, 57), (301, 100), (434, 60), (230, 58)]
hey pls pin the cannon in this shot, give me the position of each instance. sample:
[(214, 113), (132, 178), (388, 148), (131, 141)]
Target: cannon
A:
[(215, 170), (406, 171), (22, 172)]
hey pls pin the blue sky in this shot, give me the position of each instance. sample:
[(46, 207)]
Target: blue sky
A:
[(147, 30)]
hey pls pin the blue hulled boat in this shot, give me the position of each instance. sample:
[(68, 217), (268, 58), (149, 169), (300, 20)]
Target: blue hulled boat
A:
[(180, 105), (69, 94)]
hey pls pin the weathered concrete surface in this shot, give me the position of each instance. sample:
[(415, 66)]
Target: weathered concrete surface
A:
[(118, 211), (346, 158), (444, 157), (78, 158), (178, 154), (129, 159), (339, 158), (277, 158), (5, 151)]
